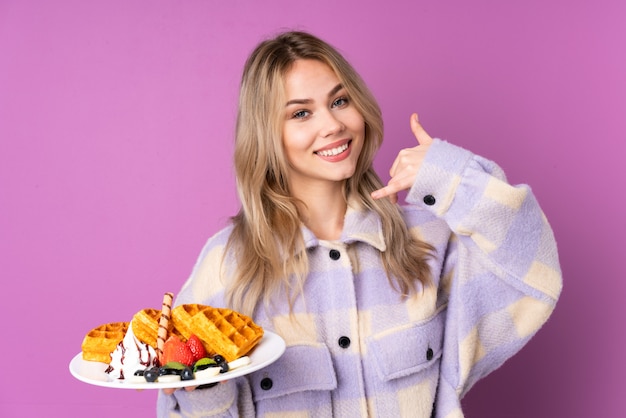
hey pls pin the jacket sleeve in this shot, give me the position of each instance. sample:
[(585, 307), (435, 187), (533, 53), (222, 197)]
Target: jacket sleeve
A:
[(501, 261), (232, 398)]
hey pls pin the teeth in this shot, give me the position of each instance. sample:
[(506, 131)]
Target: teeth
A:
[(334, 151)]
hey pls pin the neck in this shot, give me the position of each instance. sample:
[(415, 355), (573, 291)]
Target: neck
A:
[(323, 211)]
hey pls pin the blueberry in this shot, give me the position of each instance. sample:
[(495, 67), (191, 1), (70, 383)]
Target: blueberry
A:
[(219, 359), (186, 374), (152, 374), (224, 367)]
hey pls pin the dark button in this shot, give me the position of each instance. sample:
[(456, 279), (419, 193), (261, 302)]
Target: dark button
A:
[(429, 354), (266, 383), (429, 199), (344, 342), (334, 254)]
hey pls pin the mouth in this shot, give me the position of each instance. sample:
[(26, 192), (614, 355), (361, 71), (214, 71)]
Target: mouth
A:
[(334, 150)]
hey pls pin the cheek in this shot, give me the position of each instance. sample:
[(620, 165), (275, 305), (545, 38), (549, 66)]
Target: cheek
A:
[(292, 145), (295, 140), (356, 123)]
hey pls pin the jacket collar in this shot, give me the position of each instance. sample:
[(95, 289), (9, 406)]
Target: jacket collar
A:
[(359, 225)]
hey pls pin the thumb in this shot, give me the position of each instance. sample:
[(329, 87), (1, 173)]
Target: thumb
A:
[(420, 134)]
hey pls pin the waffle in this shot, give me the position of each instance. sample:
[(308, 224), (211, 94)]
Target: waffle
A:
[(145, 324), (101, 341), (221, 330), (181, 318)]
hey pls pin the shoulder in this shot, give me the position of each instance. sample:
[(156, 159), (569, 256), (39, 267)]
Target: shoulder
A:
[(217, 240), (213, 252), (206, 282)]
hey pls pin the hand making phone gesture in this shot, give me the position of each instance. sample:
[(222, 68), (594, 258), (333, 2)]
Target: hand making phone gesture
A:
[(407, 164)]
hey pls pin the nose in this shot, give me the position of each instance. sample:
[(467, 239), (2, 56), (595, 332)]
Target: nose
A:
[(331, 125)]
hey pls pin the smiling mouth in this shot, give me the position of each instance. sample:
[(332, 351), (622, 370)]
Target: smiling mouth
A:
[(333, 151)]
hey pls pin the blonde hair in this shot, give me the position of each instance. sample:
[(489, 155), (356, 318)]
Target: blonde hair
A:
[(266, 240)]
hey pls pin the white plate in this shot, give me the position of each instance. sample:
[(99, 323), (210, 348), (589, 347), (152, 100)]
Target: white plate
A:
[(269, 349)]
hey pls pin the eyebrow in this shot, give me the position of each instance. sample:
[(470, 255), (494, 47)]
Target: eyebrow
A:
[(332, 92)]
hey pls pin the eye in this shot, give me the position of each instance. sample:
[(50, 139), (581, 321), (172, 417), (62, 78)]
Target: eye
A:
[(300, 114), (340, 102)]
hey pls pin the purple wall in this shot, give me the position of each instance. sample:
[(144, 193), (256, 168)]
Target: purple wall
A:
[(116, 122)]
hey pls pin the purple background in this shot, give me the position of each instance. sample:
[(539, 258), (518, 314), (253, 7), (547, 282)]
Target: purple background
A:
[(116, 121)]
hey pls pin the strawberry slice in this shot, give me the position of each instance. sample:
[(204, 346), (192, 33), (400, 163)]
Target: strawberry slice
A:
[(196, 347), (176, 350)]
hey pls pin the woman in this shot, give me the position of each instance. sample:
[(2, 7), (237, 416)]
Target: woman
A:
[(386, 310)]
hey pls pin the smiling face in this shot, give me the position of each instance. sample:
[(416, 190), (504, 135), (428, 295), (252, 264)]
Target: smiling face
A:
[(323, 132)]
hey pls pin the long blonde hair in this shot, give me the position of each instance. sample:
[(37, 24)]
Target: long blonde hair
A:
[(266, 240)]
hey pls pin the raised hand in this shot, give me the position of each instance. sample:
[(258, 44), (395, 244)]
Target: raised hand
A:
[(407, 164)]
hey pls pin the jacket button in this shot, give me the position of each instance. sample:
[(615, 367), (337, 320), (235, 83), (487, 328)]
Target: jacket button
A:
[(429, 354), (429, 199), (344, 342), (266, 383), (334, 254)]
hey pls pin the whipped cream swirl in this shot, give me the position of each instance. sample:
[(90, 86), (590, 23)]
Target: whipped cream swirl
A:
[(131, 355)]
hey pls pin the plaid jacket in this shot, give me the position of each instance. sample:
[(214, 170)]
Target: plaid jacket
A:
[(356, 347)]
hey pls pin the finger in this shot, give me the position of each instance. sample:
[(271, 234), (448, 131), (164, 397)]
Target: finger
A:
[(394, 166), (381, 194), (390, 190), (190, 388), (420, 134), (168, 391)]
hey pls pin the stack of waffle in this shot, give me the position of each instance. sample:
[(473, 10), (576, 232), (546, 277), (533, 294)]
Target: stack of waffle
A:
[(222, 331)]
